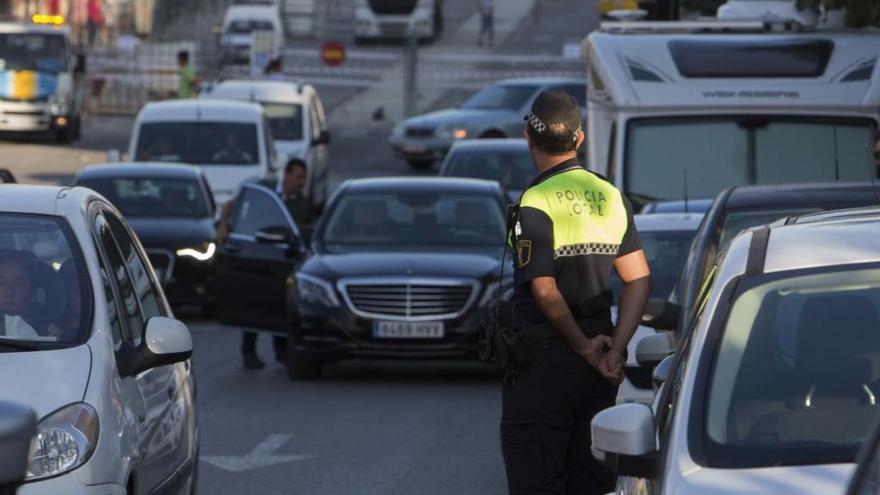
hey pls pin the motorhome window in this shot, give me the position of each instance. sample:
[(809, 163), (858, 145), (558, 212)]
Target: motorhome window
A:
[(498, 97), (734, 58), (246, 26), (710, 154), (33, 51), (286, 121), (393, 7), (199, 143)]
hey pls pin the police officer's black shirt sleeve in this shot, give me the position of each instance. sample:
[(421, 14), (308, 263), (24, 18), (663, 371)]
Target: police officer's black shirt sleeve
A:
[(631, 240), (534, 245)]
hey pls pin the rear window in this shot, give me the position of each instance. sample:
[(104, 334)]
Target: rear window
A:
[(731, 58), (199, 143)]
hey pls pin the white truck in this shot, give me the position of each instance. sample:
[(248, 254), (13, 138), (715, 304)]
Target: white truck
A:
[(41, 80), (686, 109), (398, 19)]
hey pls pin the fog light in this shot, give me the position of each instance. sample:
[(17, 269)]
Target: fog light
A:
[(459, 133), (61, 121)]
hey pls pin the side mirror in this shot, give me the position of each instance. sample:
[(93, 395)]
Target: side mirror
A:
[(661, 372), (280, 162), (114, 156), (166, 341), (79, 68), (323, 138), (653, 349), (661, 315), (277, 234), (18, 425), (626, 431)]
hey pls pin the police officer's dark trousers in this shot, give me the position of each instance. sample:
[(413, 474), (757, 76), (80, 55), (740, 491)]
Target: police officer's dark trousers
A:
[(545, 425)]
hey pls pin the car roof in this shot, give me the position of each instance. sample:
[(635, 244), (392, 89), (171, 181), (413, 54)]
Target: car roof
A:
[(678, 206), (540, 81), (258, 91), (251, 11), (481, 145), (201, 110), (829, 193), (421, 184), (657, 222), (843, 241), (40, 200), (139, 169)]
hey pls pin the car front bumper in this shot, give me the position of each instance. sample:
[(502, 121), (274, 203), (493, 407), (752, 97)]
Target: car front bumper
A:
[(425, 149), (68, 484), (332, 334), (30, 117)]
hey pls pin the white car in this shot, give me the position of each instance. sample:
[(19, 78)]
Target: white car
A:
[(666, 239), (297, 121), (239, 25), (88, 341), (229, 140), (774, 385)]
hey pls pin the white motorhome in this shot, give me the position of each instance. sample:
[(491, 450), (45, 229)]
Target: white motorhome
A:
[(239, 25), (375, 19), (680, 109)]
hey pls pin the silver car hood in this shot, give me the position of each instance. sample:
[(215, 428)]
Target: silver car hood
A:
[(45, 380)]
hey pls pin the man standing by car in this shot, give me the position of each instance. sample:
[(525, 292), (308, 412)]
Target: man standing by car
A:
[(570, 228), (289, 189)]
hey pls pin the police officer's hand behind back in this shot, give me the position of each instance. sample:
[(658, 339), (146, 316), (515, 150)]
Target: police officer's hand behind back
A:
[(636, 276)]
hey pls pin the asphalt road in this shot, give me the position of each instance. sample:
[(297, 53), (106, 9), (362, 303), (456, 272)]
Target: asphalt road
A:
[(365, 428)]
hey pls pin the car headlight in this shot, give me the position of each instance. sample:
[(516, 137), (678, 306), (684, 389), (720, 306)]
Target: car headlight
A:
[(491, 293), (65, 440), (452, 132), (397, 131), (203, 253), (315, 290), (59, 105)]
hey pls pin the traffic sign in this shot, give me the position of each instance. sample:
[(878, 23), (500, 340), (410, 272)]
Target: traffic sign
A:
[(333, 53)]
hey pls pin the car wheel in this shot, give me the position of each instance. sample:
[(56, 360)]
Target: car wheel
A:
[(492, 134), (420, 164)]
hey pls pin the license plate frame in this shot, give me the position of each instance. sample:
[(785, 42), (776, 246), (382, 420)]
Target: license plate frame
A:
[(421, 330)]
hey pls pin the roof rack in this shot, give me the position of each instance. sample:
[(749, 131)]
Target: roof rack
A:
[(703, 26)]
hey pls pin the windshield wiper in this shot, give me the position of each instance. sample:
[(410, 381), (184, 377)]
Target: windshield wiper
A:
[(16, 345)]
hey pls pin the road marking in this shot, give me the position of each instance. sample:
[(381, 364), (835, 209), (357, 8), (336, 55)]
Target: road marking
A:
[(263, 455)]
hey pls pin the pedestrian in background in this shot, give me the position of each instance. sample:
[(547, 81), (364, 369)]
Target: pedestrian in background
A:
[(487, 22), (290, 189), (274, 69), (187, 73), (570, 228)]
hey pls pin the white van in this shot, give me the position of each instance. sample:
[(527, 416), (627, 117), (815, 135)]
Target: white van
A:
[(229, 140), (376, 19), (297, 122), (239, 24), (690, 108)]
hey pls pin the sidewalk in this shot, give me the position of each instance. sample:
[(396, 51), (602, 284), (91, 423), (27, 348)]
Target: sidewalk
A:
[(388, 95)]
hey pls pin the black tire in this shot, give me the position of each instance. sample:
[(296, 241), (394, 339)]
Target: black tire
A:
[(420, 164), (492, 134), (299, 368)]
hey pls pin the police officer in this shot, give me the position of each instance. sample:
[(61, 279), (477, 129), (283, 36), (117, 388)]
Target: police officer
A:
[(572, 227)]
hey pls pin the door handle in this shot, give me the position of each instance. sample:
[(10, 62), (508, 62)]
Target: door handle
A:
[(231, 247)]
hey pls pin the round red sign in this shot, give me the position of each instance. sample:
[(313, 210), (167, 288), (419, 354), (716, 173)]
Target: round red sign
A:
[(333, 53)]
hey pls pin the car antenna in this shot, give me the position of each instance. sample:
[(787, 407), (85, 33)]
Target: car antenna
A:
[(872, 174), (685, 191)]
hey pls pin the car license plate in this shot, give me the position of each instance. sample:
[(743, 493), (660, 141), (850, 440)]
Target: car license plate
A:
[(415, 149), (408, 329)]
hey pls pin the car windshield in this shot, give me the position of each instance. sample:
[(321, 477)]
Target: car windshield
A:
[(198, 143), (737, 221), (285, 121), (500, 97), (513, 169), (666, 251), (45, 298), (247, 26), (663, 159), (33, 51), (418, 218), (795, 378), (152, 196)]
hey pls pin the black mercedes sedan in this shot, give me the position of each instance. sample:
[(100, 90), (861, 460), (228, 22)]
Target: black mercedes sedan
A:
[(171, 210), (401, 268)]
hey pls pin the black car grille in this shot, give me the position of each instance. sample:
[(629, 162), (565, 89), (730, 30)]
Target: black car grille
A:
[(409, 300), (419, 132)]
